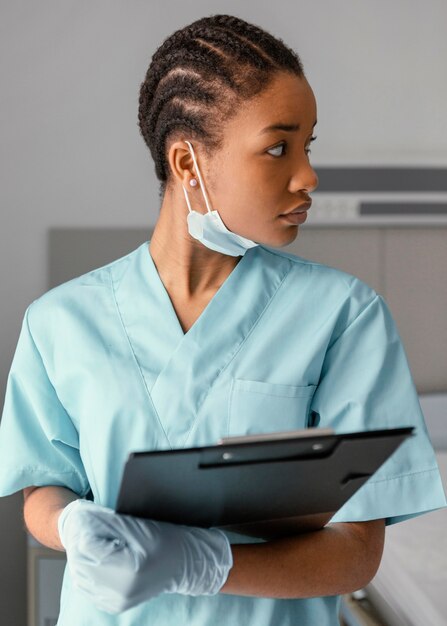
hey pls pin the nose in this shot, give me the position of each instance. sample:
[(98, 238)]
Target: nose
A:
[(305, 178)]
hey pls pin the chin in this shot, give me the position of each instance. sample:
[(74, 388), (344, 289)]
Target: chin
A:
[(289, 235), (284, 239)]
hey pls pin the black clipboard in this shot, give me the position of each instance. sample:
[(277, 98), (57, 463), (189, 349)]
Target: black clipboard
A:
[(265, 486)]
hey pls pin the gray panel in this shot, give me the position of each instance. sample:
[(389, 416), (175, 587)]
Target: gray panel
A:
[(416, 291), (13, 561), (403, 208), (74, 251), (379, 179), (355, 251)]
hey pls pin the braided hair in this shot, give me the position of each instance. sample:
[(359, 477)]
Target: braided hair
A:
[(199, 76)]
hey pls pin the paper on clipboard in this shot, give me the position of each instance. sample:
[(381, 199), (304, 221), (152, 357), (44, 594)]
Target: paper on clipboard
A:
[(275, 436)]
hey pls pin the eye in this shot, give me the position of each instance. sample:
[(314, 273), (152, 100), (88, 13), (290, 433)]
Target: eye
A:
[(279, 146), (283, 144), (307, 150)]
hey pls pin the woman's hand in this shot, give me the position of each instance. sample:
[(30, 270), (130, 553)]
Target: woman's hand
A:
[(121, 560)]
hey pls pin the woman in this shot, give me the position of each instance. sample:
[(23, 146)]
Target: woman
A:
[(205, 331)]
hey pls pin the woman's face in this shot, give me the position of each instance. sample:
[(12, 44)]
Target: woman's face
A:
[(260, 174)]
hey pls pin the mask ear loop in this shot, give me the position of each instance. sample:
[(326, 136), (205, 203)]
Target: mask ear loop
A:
[(187, 199), (200, 178)]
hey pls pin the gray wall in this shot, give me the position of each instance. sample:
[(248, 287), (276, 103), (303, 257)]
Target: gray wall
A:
[(71, 154)]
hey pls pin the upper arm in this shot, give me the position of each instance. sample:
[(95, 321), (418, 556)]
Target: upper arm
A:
[(366, 384), (39, 442)]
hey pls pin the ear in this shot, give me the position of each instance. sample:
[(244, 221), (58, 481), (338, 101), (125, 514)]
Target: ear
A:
[(181, 162)]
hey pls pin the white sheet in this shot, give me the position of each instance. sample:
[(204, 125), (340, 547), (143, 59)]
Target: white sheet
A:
[(412, 577)]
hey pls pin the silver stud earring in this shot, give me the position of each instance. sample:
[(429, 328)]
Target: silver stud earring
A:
[(193, 182)]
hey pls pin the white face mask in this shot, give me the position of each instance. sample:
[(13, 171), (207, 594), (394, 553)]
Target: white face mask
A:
[(209, 228)]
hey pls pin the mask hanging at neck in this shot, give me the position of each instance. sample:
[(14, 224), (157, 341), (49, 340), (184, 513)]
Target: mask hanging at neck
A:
[(209, 228)]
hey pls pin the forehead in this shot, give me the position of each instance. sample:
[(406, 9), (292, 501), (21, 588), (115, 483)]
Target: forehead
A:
[(288, 99)]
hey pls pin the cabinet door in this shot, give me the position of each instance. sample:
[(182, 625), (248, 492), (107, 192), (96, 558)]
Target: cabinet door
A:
[(45, 573)]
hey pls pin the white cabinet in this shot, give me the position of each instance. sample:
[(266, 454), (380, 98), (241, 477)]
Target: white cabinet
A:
[(45, 573)]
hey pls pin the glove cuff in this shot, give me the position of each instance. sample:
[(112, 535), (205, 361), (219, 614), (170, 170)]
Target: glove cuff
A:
[(63, 516), (208, 562), (223, 566)]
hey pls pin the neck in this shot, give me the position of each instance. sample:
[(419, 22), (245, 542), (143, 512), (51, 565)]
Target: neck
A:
[(185, 265)]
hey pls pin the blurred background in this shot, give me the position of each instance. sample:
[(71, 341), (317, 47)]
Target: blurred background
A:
[(78, 190)]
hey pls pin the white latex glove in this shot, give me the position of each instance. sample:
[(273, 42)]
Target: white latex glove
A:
[(121, 560)]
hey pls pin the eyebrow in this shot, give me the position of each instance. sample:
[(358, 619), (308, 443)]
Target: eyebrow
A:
[(279, 126)]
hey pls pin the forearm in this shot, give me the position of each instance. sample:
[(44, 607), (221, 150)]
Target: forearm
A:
[(41, 511), (330, 561)]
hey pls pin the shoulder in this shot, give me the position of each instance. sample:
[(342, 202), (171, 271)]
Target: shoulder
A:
[(84, 292), (325, 282)]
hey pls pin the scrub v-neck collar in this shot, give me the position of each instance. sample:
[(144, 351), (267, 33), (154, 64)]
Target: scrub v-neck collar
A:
[(165, 299), (179, 368)]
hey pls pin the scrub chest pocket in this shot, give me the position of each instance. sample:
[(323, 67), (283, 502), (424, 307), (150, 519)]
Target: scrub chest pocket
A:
[(260, 407)]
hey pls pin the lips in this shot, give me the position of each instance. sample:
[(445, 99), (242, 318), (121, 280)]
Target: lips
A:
[(295, 218), (299, 209)]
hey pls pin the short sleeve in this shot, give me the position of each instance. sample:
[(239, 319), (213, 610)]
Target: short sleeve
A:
[(39, 444), (366, 384)]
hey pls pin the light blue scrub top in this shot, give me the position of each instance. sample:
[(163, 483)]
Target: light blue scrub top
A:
[(103, 368)]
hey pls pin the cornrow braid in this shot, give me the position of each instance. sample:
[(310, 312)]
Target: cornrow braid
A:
[(197, 78)]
